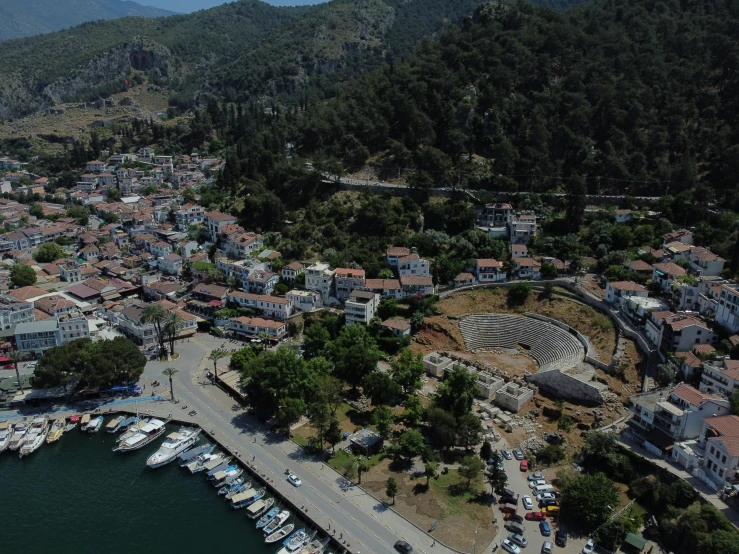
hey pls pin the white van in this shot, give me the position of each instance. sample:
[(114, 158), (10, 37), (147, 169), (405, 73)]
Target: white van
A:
[(544, 488)]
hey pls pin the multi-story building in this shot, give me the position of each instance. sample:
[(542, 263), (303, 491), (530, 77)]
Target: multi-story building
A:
[(159, 248), (413, 285), (171, 264), (71, 272), (394, 253), (255, 326), (96, 166), (497, 214), (305, 300), (262, 282), (189, 214), (243, 244), (522, 228), (270, 306), (347, 280), (361, 307), (681, 235), (386, 288), (489, 270), (13, 312), (319, 277), (678, 332), (130, 324), (37, 336), (214, 221), (291, 271), (527, 268), (413, 265), (727, 312), (720, 377), (618, 291), (665, 274), (519, 251)]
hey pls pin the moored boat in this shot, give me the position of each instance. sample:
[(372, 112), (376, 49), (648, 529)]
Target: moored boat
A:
[(20, 434), (275, 524), (57, 430), (225, 489), (176, 444), (193, 454), (84, 421), (133, 429), (6, 431), (114, 424), (220, 472), (237, 490), (280, 533), (36, 436), (259, 507), (295, 542), (147, 433), (94, 425), (268, 517), (316, 546), (230, 477), (205, 462), (73, 422)]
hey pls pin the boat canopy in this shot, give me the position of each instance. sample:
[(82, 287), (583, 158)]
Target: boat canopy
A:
[(190, 454), (256, 507), (174, 436), (3, 425), (242, 496), (74, 418), (152, 426), (134, 439), (212, 464), (85, 419), (39, 420)]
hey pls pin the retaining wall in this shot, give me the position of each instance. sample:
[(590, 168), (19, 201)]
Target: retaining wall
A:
[(566, 386)]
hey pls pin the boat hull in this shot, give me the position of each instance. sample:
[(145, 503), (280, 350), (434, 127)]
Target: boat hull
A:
[(140, 445)]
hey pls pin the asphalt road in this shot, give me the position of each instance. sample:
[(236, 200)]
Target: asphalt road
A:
[(365, 525)]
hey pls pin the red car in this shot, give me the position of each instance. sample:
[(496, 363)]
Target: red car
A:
[(536, 516), (524, 465)]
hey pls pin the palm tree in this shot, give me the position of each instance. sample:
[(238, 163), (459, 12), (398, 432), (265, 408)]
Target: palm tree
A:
[(216, 355), (170, 372), (155, 314), (172, 325), (15, 357)]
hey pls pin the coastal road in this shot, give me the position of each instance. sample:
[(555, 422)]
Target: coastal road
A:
[(364, 524)]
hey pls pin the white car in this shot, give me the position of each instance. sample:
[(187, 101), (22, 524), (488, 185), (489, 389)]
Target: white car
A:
[(589, 546), (510, 546), (527, 502), (535, 476), (518, 539), (545, 496), (294, 480), (536, 483)]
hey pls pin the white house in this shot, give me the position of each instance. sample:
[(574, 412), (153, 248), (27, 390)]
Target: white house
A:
[(413, 285), (394, 253), (618, 291), (727, 312), (720, 378), (319, 277), (346, 280), (704, 262), (214, 221), (489, 270), (527, 268), (386, 288), (665, 274), (413, 265), (305, 300), (681, 332), (519, 251), (13, 312), (189, 214), (171, 264), (254, 326), (622, 216), (361, 307), (291, 271)]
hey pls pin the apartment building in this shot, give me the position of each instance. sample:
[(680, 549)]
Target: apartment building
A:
[(305, 300), (291, 271), (271, 306), (413, 285), (665, 275), (618, 291), (394, 253), (413, 265), (347, 280), (727, 312), (386, 288), (720, 377), (262, 282), (35, 337), (321, 278), (255, 326), (489, 270), (189, 214), (14, 312), (214, 221), (678, 332), (361, 307)]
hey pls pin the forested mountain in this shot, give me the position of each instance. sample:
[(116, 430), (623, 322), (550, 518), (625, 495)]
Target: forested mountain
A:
[(24, 18), (243, 48), (631, 95)]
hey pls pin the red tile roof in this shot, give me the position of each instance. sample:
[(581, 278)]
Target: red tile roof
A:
[(691, 395), (628, 286), (726, 426)]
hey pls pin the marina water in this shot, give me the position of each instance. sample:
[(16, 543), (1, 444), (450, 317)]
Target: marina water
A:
[(76, 496)]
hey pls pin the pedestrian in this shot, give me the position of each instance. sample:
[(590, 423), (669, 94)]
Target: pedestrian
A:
[(434, 543)]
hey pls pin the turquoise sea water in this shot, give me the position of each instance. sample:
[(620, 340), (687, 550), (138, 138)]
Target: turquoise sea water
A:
[(77, 496)]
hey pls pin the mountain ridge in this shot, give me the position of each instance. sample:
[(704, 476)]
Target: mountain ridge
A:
[(25, 18)]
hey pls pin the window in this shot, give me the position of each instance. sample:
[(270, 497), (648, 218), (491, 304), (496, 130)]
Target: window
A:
[(723, 459)]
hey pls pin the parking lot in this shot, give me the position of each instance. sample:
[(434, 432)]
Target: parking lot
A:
[(519, 484)]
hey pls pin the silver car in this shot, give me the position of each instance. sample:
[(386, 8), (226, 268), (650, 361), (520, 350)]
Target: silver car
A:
[(518, 539), (510, 547)]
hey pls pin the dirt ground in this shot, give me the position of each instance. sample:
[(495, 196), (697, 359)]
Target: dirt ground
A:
[(457, 515)]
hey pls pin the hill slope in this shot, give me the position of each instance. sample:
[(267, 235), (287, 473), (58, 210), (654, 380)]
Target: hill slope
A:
[(248, 45), (24, 18)]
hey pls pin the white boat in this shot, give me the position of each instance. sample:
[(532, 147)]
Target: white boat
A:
[(84, 421), (246, 498), (56, 430), (71, 425), (175, 445), (94, 425), (193, 454), (20, 434), (280, 533), (316, 547), (6, 431), (147, 433), (114, 423), (133, 429), (36, 435), (206, 461), (230, 477), (295, 543), (276, 523), (268, 517), (259, 508)]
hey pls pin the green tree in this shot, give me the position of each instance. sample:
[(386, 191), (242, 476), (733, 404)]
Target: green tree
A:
[(486, 451), (429, 471), (550, 454), (518, 293), (289, 412), (412, 410), (410, 444), (391, 488), (48, 252), (587, 499), (566, 423), (457, 393), (22, 275), (355, 354), (216, 355), (35, 210), (79, 214), (382, 416), (417, 321), (316, 339), (381, 389), (548, 271), (470, 468), (496, 477), (319, 415), (157, 316), (169, 373), (173, 324), (442, 427), (327, 388), (548, 290), (469, 430), (333, 434), (407, 370)]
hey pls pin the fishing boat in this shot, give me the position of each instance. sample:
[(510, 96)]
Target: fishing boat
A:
[(133, 429), (94, 426), (36, 436), (268, 517), (238, 489), (114, 424), (193, 454), (84, 421), (295, 542), (6, 431), (247, 498), (225, 489), (206, 461), (220, 472), (280, 533), (230, 477), (73, 421), (57, 430), (176, 444), (259, 507), (276, 522), (20, 433), (125, 423), (147, 433), (316, 546)]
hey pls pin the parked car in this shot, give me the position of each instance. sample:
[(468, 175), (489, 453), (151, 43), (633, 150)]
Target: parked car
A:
[(536, 476), (546, 548), (514, 527), (551, 510), (524, 465), (536, 516), (545, 496), (527, 502), (507, 454), (403, 547), (545, 529), (517, 454), (519, 539), (510, 547), (589, 547), (508, 500), (507, 508), (560, 538), (547, 502), (538, 482), (510, 516)]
